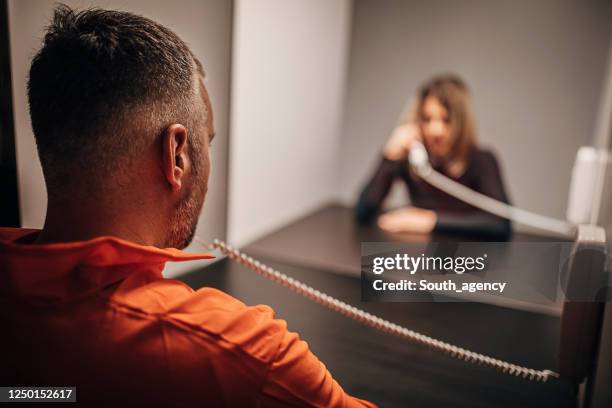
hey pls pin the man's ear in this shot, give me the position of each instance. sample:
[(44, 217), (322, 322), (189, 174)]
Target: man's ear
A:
[(174, 155)]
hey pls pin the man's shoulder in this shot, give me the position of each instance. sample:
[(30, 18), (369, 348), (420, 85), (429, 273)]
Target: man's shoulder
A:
[(205, 313)]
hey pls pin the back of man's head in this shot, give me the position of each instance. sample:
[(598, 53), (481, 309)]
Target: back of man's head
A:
[(101, 89)]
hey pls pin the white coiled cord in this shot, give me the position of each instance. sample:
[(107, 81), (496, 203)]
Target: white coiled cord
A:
[(375, 321), (418, 159)]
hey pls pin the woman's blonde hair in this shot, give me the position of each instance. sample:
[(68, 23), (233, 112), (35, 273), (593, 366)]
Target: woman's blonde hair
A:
[(453, 94)]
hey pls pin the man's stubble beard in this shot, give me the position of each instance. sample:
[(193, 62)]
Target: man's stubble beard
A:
[(184, 221)]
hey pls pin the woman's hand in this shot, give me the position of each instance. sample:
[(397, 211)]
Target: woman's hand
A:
[(401, 140), (409, 219)]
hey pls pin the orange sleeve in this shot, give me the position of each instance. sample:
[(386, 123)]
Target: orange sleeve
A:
[(297, 377)]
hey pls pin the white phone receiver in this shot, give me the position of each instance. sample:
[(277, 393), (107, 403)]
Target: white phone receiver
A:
[(418, 158)]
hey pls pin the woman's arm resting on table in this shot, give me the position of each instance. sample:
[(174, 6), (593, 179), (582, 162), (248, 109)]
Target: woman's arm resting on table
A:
[(477, 224)]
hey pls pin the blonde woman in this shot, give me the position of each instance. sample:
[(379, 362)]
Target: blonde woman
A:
[(442, 120)]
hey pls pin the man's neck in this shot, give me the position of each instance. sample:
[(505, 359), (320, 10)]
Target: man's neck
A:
[(68, 223)]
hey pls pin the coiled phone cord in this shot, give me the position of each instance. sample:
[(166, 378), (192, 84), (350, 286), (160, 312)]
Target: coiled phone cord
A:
[(375, 321)]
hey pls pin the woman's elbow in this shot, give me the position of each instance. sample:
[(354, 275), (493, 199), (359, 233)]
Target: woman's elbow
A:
[(363, 214)]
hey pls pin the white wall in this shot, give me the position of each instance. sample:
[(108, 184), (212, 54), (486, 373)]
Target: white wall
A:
[(289, 64), (204, 24), (535, 69)]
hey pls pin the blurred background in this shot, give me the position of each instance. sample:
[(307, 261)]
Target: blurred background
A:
[(305, 93)]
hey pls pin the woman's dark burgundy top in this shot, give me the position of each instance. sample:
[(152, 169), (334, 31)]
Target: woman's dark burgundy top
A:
[(482, 175)]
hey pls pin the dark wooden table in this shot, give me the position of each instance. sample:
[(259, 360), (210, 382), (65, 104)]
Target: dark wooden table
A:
[(380, 367)]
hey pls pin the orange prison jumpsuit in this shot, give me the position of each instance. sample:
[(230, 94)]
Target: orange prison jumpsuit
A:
[(99, 315)]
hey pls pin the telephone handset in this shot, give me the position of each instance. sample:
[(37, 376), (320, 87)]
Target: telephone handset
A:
[(375, 321)]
